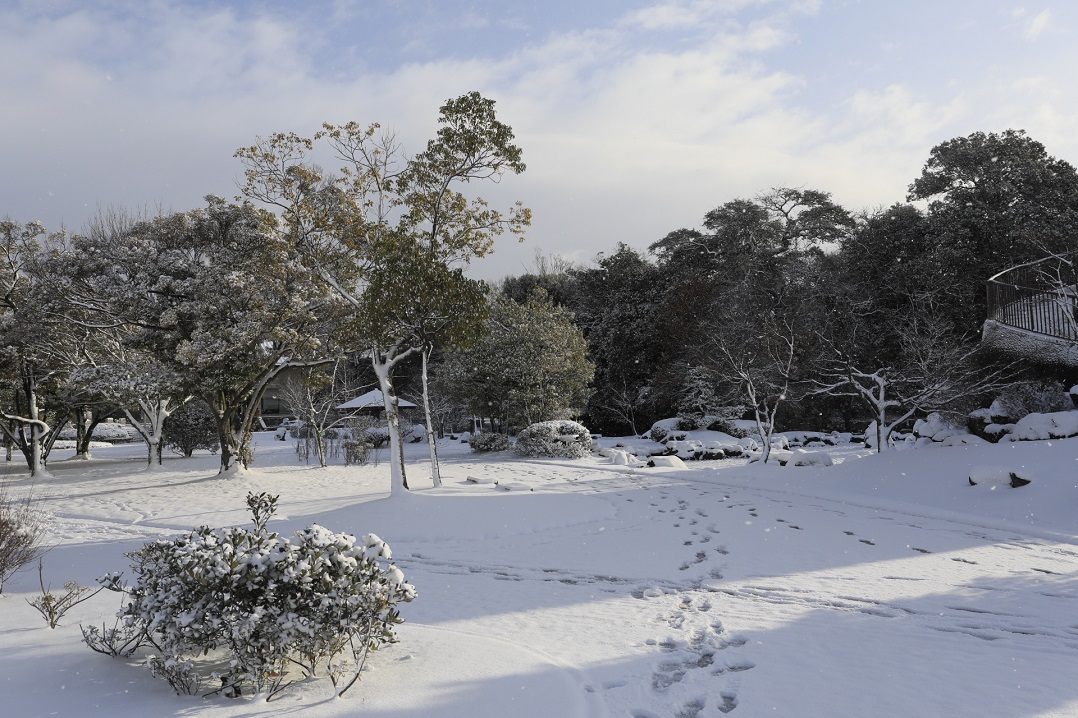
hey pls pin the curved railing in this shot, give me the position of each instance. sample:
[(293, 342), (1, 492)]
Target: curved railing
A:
[(1040, 297)]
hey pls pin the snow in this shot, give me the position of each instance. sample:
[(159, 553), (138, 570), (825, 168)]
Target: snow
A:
[(884, 585)]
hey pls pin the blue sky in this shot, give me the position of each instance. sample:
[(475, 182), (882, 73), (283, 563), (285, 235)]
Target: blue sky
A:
[(636, 117)]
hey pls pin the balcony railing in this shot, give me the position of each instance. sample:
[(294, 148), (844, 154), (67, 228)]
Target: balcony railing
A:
[(1039, 297)]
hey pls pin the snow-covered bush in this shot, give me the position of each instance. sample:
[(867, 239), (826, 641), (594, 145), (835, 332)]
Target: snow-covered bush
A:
[(689, 422), (356, 451), (21, 532), (315, 604), (191, 427), (1033, 398), (661, 428), (489, 441), (727, 422), (378, 436), (560, 438), (110, 432)]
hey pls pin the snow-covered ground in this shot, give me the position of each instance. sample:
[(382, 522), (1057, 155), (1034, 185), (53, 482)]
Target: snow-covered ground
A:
[(881, 586)]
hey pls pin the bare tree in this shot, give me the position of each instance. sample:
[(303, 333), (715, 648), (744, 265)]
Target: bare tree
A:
[(933, 371), (760, 361), (314, 394)]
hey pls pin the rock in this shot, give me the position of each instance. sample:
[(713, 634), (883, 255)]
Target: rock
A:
[(512, 486), (667, 462), (995, 476), (810, 458)]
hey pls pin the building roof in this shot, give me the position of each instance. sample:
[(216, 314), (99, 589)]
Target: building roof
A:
[(373, 399)]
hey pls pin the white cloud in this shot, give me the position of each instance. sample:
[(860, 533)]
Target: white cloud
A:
[(1037, 25), (626, 138)]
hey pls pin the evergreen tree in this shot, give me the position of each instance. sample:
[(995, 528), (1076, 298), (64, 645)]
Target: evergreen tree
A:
[(530, 365)]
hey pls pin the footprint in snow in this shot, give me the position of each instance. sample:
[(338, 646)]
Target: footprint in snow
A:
[(729, 701), (692, 709)]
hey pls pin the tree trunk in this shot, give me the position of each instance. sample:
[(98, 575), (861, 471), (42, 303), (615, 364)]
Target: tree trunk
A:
[(398, 481), (319, 444), (84, 424), (432, 440), (223, 417), (152, 431), (35, 455)]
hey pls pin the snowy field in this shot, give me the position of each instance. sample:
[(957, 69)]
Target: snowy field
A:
[(882, 586)]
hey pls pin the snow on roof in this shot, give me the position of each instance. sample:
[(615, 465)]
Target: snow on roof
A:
[(372, 399)]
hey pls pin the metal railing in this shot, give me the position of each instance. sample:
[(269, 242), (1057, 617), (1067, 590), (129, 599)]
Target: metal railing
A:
[(1039, 297)]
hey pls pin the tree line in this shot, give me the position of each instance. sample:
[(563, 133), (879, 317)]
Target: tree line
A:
[(784, 307), (141, 315), (793, 310)]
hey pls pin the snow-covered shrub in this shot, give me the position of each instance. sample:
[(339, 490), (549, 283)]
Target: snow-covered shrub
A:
[(689, 422), (21, 532), (1033, 398), (727, 422), (313, 604), (191, 427), (560, 438), (661, 428), (356, 451), (109, 432), (489, 441), (378, 436)]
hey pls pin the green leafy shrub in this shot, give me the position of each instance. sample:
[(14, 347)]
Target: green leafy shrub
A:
[(191, 427)]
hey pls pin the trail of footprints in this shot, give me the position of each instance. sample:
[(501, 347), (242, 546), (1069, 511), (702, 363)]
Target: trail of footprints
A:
[(700, 651), (696, 671)]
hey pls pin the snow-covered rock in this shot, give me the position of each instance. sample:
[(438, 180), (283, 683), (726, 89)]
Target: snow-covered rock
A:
[(995, 476), (667, 462), (802, 457), (937, 429), (687, 449), (780, 456), (1040, 427), (512, 486)]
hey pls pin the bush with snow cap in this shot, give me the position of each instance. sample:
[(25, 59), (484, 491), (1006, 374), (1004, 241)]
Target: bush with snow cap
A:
[(489, 441), (562, 439), (316, 604)]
